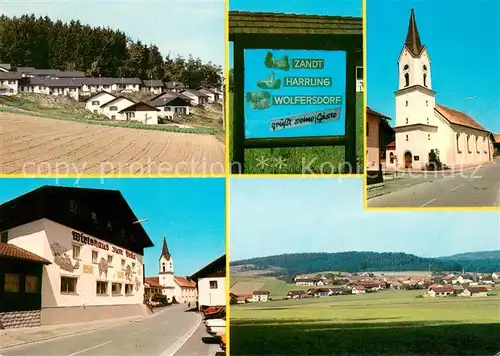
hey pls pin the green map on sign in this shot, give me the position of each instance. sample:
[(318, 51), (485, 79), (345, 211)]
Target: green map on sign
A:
[(259, 100), (269, 83), (272, 62)]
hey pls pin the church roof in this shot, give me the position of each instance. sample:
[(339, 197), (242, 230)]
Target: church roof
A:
[(412, 38), (153, 282), (457, 117), (164, 250), (373, 112), (184, 282)]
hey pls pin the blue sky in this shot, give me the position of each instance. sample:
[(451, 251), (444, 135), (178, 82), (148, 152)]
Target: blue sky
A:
[(314, 7), (275, 216), (460, 36), (179, 27), (257, 121), (190, 212)]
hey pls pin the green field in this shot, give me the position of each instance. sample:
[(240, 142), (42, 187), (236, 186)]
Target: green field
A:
[(383, 323), (328, 160)]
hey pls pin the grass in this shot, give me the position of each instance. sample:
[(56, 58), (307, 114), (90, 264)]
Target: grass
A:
[(383, 323), (327, 160), (61, 108)]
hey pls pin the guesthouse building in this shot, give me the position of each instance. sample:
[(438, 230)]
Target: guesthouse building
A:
[(70, 255), (211, 284)]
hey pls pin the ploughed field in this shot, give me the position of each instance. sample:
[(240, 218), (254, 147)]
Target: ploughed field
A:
[(32, 145), (383, 323)]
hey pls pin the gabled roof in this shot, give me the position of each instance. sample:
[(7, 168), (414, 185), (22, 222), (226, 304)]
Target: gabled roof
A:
[(45, 203), (373, 112), (477, 289), (413, 38), (134, 106), (98, 93), (184, 282), (153, 282), (496, 138), (153, 83), (169, 99), (174, 85), (195, 92), (7, 66), (116, 98), (10, 75), (457, 117), (215, 267), (18, 253)]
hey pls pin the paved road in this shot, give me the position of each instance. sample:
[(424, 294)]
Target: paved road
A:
[(474, 188), (164, 334)]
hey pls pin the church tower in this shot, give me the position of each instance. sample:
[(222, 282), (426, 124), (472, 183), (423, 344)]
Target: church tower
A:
[(415, 102), (166, 271)]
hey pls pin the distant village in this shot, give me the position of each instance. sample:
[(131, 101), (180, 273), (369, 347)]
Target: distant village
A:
[(443, 285), (107, 96)]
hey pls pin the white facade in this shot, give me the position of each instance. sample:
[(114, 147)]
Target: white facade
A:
[(195, 99), (72, 92), (112, 108), (144, 117), (77, 267), (94, 103), (212, 291), (9, 86), (422, 125)]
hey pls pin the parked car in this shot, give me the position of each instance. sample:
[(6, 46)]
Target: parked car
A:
[(216, 327)]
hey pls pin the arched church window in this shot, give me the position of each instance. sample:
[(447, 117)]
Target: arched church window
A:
[(458, 143), (429, 137), (468, 144), (427, 103), (485, 145), (406, 67), (407, 79), (425, 80), (163, 267), (406, 137), (407, 121), (406, 102), (424, 67), (427, 121)]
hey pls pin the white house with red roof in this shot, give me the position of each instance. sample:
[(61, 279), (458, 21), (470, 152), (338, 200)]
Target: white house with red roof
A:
[(422, 125)]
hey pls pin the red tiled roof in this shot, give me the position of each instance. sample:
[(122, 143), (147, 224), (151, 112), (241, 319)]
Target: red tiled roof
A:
[(359, 288), (391, 145), (457, 117), (154, 282), (296, 292), (477, 289), (443, 289), (13, 251), (496, 138), (183, 282), (373, 112)]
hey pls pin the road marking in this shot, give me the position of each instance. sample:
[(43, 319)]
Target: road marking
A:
[(430, 201), (90, 348), (182, 340), (140, 331), (452, 189)]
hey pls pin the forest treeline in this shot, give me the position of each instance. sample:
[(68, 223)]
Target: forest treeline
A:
[(29, 41), (365, 262)]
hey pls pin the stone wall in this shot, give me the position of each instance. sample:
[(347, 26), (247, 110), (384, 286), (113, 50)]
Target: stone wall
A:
[(20, 319)]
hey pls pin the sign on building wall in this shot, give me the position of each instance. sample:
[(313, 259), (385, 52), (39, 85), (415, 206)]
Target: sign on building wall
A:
[(89, 269), (294, 93)]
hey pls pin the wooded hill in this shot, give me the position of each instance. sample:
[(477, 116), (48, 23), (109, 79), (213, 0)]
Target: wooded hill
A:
[(28, 41), (300, 263)]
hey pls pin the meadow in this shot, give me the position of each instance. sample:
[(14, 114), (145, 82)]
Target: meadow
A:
[(383, 323), (328, 160)]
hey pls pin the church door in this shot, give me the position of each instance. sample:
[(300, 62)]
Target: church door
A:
[(408, 159)]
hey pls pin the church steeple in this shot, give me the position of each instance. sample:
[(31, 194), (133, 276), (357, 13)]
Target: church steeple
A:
[(412, 38), (164, 251)]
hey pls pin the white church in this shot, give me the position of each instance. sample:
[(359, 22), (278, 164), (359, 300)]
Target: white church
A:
[(423, 125), (182, 289)]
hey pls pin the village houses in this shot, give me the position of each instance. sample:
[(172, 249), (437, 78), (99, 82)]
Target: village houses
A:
[(260, 296)]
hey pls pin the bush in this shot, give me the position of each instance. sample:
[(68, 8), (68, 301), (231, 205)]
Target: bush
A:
[(435, 163)]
